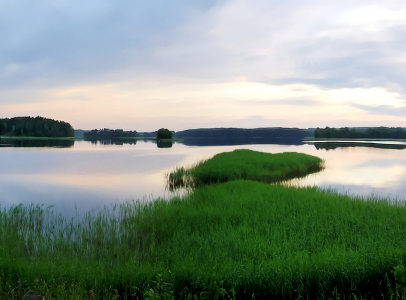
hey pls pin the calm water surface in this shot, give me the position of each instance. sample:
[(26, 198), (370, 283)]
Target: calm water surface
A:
[(87, 175)]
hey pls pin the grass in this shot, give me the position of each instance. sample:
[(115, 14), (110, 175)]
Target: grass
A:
[(247, 165), (241, 239)]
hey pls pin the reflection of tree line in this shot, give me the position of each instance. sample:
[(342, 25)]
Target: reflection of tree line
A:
[(189, 142), (36, 143), (205, 142), (159, 143), (113, 141), (332, 146), (119, 142), (230, 141)]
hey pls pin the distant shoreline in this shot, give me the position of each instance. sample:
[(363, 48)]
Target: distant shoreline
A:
[(308, 139), (82, 139)]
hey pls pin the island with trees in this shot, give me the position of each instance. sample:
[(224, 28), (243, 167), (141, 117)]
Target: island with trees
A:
[(108, 134), (164, 133), (163, 137), (35, 127)]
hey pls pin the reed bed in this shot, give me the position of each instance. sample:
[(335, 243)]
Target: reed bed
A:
[(245, 164), (237, 240)]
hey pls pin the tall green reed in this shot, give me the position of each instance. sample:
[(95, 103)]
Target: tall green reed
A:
[(247, 165), (249, 237)]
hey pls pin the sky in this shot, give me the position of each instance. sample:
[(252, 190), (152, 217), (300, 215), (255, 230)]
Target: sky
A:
[(179, 64)]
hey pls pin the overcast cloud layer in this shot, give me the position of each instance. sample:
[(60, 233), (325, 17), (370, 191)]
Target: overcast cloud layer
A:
[(184, 64)]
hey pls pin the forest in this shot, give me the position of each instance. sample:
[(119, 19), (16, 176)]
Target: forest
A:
[(108, 134), (370, 133), (242, 133), (35, 127), (240, 136)]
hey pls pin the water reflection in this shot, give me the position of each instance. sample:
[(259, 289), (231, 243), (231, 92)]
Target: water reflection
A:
[(51, 143), (164, 144), (335, 145), (232, 141), (210, 141), (113, 141), (130, 141)]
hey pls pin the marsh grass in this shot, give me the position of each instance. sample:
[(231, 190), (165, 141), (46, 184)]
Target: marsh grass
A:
[(233, 237), (247, 165), (237, 239)]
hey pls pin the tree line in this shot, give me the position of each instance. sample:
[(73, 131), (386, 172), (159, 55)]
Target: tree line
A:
[(370, 133), (241, 133), (241, 136), (35, 127), (113, 134), (108, 134)]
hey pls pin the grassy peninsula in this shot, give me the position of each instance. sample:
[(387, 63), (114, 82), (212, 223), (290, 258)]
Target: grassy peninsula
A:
[(247, 165), (239, 239)]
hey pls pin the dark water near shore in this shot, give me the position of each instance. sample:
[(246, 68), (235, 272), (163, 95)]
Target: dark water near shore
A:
[(88, 174)]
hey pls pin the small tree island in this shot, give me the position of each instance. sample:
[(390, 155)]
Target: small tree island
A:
[(164, 133)]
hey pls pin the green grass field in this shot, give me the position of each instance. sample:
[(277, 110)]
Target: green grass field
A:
[(236, 240)]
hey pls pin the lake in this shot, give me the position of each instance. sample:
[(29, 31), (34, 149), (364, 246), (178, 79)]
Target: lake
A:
[(79, 176)]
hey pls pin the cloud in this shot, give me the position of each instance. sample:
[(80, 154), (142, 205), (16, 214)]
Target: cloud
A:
[(383, 110), (70, 41), (290, 101), (213, 60), (329, 44)]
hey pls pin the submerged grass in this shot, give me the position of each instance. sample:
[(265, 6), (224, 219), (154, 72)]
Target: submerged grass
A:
[(240, 240), (245, 164)]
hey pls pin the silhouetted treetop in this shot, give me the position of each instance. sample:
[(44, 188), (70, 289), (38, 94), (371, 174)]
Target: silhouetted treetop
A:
[(164, 133)]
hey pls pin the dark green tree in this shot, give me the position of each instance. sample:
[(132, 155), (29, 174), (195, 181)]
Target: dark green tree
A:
[(3, 127), (163, 133), (318, 133)]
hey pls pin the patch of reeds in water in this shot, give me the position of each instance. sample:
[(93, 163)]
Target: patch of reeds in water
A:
[(244, 164)]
